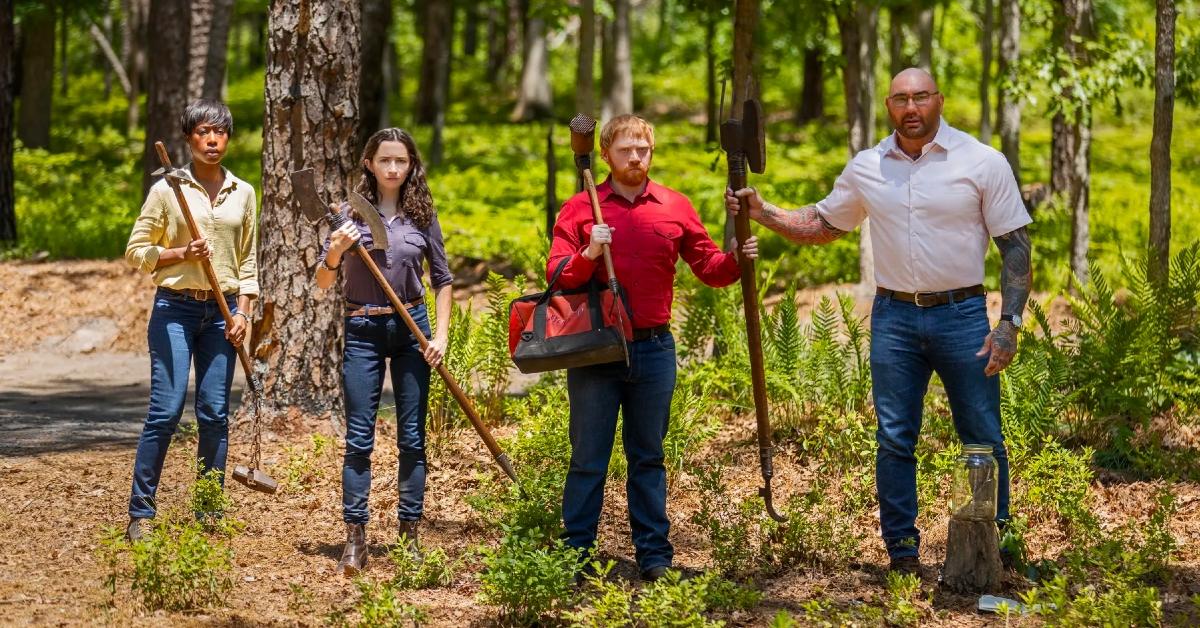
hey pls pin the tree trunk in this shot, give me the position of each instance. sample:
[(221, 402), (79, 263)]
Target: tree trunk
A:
[(812, 95), (1071, 144), (897, 19), (745, 81), (166, 93), (1160, 143), (985, 75), (1008, 105), (201, 14), (110, 57), (857, 25), (585, 70), (551, 176), (312, 78), (618, 97), (37, 77), (107, 22), (973, 557), (8, 47), (925, 38), (712, 107), (535, 98), (437, 33), (63, 68), (471, 31), (496, 42), (133, 56), (217, 55), (372, 90)]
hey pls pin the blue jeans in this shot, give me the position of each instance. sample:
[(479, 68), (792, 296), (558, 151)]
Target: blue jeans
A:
[(908, 344), (370, 342), (642, 392), (181, 330)]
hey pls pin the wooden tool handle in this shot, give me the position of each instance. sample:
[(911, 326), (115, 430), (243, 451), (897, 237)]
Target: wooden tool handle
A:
[(598, 218), (211, 274)]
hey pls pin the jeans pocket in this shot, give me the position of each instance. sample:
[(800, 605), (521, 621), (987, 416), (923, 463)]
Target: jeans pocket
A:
[(971, 308)]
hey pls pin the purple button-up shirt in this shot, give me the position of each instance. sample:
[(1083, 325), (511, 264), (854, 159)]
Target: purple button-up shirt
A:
[(401, 263)]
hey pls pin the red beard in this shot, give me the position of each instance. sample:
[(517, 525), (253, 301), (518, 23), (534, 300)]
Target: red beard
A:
[(630, 176)]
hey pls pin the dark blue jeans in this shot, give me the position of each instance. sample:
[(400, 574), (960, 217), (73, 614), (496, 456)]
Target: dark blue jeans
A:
[(908, 344), (181, 330), (370, 343), (642, 392)]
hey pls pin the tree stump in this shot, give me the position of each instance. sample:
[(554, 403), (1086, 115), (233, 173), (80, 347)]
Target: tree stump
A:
[(972, 557)]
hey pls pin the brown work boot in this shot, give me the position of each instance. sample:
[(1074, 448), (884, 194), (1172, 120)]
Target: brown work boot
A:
[(407, 533), (906, 565), (354, 557), (136, 528)]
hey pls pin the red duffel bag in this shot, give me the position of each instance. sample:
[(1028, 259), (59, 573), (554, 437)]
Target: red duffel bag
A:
[(559, 329)]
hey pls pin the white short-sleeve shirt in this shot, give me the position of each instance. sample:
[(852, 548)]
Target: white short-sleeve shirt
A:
[(931, 217)]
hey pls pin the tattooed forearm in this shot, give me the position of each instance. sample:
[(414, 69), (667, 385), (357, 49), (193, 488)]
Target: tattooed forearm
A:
[(1016, 272), (802, 226)]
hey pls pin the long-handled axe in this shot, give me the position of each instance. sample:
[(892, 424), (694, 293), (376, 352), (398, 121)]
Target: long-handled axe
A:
[(583, 140), (744, 143), (304, 188), (251, 476)]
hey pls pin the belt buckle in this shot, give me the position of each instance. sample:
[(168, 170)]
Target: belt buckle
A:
[(917, 299)]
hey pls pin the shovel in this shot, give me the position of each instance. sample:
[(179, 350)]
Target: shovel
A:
[(250, 476), (304, 188), (744, 143)]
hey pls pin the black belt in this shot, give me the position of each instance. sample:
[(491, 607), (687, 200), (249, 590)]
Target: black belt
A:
[(930, 299), (646, 333)]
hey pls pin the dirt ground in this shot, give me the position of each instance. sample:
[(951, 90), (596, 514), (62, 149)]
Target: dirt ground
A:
[(72, 398)]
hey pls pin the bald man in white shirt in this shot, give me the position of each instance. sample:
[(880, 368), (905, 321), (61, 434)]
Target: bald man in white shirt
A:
[(935, 196)]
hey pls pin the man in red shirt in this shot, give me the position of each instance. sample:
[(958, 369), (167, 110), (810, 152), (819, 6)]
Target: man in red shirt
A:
[(648, 227)]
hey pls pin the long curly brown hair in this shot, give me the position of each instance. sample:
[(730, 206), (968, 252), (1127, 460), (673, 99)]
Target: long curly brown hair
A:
[(415, 199)]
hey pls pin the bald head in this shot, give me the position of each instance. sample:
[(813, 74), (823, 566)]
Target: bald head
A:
[(914, 108), (911, 81)]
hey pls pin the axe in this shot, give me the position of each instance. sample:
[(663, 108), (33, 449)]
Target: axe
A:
[(744, 143), (250, 476), (304, 188), (583, 140)]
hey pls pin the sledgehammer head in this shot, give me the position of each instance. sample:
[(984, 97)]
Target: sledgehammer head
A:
[(583, 134), (255, 479)]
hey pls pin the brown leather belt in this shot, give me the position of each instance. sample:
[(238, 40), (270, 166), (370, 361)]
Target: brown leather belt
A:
[(198, 295), (646, 333), (354, 309), (930, 299)]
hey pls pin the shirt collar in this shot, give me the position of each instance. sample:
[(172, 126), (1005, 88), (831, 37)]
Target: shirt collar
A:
[(944, 139), (653, 191), (231, 182)]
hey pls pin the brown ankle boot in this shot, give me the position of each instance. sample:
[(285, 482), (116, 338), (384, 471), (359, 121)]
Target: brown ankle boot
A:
[(354, 557), (407, 533)]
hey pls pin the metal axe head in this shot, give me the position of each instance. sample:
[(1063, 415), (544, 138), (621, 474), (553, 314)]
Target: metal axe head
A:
[(583, 134), (174, 173), (747, 136), (368, 214), (304, 190)]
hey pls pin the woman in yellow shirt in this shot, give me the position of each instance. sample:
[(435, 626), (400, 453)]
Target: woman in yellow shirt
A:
[(186, 325)]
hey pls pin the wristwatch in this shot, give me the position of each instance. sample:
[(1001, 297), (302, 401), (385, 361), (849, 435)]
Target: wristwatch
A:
[(1015, 319)]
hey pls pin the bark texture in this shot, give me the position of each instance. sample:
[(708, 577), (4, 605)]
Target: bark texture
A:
[(618, 93), (37, 77), (166, 93), (1160, 143), (1008, 103), (972, 557), (8, 214)]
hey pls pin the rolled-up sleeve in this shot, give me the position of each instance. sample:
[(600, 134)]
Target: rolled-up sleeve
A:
[(144, 246), (248, 249), (1003, 209), (843, 208), (439, 266)]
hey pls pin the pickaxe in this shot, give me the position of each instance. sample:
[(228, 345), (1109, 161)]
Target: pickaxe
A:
[(583, 140), (304, 188), (251, 476), (744, 143)]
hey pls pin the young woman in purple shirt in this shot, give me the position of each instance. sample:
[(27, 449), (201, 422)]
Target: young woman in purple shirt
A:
[(393, 179)]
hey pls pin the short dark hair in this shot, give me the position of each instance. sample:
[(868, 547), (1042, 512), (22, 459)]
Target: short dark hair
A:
[(206, 110)]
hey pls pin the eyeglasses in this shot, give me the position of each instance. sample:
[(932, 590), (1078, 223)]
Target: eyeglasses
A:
[(919, 99)]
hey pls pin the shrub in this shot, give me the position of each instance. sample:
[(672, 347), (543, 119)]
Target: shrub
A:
[(817, 533), (377, 606), (425, 570), (528, 579), (304, 467), (608, 604), (900, 608), (1059, 480), (174, 567)]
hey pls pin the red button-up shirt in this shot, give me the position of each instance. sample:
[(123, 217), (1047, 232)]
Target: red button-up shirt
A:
[(650, 234)]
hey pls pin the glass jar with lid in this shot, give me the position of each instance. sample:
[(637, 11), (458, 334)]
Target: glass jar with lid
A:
[(975, 482)]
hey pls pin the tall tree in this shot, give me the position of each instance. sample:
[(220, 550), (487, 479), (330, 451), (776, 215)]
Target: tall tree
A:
[(133, 55), (373, 88), (535, 99), (209, 48), (310, 121), (64, 71), (925, 36), (1008, 101), (433, 93), (857, 26), (1071, 140), (898, 19), (8, 46), (585, 69), (166, 93), (1160, 143), (618, 69), (37, 76), (987, 13)]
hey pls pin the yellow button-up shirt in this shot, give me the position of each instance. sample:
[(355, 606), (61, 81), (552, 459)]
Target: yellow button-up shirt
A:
[(229, 225)]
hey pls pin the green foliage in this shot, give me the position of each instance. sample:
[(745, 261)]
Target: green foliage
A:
[(825, 614), (424, 570), (176, 566), (672, 601), (209, 501), (1058, 480), (304, 467), (900, 605), (377, 605), (818, 533), (732, 526), (608, 604), (527, 578)]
